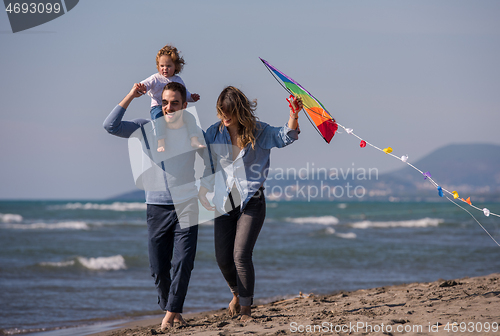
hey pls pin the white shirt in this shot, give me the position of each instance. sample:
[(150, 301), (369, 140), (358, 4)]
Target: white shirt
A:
[(155, 84)]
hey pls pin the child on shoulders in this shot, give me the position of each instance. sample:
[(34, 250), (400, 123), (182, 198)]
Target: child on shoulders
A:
[(169, 63)]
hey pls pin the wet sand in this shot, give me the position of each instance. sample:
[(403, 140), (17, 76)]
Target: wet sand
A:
[(468, 306)]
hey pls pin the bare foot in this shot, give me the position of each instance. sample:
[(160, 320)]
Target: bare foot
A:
[(195, 143), (246, 314), (168, 321), (234, 306), (178, 319), (161, 145)]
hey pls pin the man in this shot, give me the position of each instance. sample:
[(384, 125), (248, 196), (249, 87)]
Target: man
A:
[(172, 206)]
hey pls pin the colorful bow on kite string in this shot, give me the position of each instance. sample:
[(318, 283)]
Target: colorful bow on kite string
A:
[(327, 126)]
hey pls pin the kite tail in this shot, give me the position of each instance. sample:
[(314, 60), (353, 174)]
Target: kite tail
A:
[(428, 177)]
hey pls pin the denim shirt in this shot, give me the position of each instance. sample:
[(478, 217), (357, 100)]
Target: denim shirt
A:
[(249, 170)]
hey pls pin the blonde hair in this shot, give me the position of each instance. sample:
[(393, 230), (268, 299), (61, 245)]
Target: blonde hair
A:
[(233, 102), (171, 51)]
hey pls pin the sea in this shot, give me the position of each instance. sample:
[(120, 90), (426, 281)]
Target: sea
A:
[(84, 264)]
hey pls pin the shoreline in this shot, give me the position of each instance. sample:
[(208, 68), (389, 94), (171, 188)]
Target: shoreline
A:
[(438, 308)]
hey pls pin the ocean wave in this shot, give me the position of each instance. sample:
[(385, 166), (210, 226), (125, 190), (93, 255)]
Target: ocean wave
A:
[(116, 206), (329, 230), (47, 226), (424, 222), (323, 220), (10, 218), (58, 263), (348, 235), (113, 263)]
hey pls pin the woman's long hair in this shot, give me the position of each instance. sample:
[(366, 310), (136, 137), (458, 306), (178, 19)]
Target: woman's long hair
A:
[(233, 103)]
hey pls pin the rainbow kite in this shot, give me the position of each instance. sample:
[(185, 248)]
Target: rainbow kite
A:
[(316, 112), (327, 126)]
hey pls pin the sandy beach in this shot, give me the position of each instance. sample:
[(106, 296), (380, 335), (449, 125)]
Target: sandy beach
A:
[(467, 306)]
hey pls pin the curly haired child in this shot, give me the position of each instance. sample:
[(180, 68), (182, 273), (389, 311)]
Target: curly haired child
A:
[(169, 63)]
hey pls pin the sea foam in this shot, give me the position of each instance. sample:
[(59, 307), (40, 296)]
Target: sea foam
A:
[(10, 218), (348, 235), (323, 220), (58, 263), (47, 226), (424, 222), (116, 206), (113, 263)]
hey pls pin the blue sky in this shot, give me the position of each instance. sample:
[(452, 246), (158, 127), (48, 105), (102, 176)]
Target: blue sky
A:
[(413, 75)]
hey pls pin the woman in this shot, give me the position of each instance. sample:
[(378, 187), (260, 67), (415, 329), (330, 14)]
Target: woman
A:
[(240, 148)]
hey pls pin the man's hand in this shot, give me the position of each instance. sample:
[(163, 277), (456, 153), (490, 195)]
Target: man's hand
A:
[(138, 90)]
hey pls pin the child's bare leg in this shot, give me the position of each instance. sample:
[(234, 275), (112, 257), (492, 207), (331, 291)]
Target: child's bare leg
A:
[(161, 145), (195, 143)]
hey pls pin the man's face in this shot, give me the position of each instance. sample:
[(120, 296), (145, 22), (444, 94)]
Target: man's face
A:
[(171, 104)]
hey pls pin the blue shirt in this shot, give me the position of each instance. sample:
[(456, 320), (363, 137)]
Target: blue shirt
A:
[(248, 172), (167, 177)]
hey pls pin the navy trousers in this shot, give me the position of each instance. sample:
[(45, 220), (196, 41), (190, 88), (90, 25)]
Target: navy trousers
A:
[(172, 249)]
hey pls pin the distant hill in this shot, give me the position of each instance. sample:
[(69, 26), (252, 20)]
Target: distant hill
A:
[(136, 196), (470, 169)]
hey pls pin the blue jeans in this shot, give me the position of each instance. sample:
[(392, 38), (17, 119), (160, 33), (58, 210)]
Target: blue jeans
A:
[(172, 248)]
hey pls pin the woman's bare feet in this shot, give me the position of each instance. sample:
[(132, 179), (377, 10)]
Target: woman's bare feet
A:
[(234, 306), (246, 314)]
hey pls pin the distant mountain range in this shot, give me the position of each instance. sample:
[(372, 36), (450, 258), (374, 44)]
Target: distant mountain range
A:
[(470, 169)]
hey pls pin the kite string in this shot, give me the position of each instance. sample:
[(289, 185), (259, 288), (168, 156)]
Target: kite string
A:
[(474, 219), (430, 180)]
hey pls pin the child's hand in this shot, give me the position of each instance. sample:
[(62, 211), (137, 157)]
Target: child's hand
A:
[(195, 96), (141, 88)]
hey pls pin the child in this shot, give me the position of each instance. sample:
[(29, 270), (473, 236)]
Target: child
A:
[(169, 64)]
